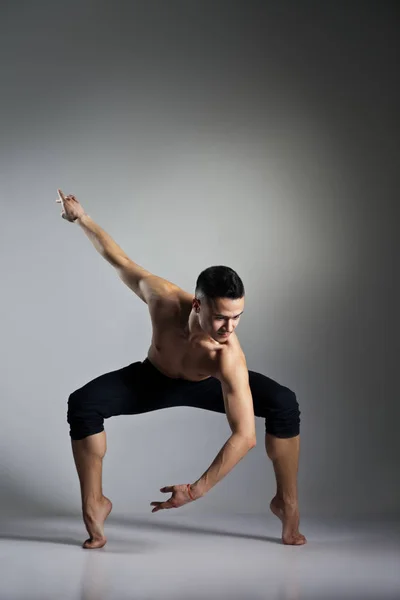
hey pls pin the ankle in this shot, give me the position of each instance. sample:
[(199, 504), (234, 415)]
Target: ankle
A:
[(286, 500), (91, 501)]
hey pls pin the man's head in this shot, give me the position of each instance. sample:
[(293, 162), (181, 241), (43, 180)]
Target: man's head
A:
[(219, 301)]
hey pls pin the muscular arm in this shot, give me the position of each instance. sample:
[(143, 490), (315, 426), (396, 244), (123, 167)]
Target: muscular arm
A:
[(238, 400), (145, 285)]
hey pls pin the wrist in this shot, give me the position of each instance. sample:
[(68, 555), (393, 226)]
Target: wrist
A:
[(195, 491), (81, 218)]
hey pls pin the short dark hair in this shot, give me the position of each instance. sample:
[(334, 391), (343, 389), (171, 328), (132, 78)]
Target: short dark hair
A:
[(219, 282)]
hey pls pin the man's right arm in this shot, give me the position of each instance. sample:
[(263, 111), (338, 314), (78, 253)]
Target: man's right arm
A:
[(143, 283), (130, 272)]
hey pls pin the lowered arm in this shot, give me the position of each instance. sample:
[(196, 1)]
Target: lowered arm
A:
[(238, 401)]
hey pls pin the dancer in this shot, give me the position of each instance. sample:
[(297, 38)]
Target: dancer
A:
[(195, 359)]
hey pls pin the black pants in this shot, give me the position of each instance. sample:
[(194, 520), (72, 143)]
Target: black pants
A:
[(140, 388)]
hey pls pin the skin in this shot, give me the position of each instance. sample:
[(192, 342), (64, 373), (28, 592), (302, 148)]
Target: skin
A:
[(192, 338)]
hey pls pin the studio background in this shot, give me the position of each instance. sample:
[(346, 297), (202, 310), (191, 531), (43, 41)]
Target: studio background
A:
[(262, 136)]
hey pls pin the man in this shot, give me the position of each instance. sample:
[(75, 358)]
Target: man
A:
[(195, 359)]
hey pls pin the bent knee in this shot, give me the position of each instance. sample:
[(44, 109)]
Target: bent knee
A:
[(283, 417), (83, 416)]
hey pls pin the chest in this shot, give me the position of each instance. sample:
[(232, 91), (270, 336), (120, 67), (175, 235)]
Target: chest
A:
[(179, 354), (172, 347), (180, 357)]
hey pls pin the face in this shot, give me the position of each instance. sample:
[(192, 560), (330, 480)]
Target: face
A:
[(219, 317)]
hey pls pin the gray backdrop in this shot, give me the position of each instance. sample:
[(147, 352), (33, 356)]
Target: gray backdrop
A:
[(258, 135)]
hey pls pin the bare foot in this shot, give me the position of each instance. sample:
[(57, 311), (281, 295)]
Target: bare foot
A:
[(289, 515), (94, 516)]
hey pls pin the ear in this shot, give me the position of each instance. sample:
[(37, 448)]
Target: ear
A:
[(196, 304)]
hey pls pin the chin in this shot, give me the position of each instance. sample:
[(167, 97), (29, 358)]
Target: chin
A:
[(222, 338), (217, 337)]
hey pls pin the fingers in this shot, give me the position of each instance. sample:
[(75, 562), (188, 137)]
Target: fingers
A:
[(164, 505), (160, 506), (62, 197)]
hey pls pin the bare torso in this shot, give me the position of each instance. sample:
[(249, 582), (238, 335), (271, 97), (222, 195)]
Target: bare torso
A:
[(174, 350)]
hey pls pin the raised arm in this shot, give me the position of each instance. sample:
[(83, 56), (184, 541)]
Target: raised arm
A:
[(234, 377), (145, 284), (130, 272)]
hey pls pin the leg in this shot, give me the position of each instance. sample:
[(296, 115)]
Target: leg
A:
[(284, 453), (278, 404), (134, 389), (88, 456), (115, 393)]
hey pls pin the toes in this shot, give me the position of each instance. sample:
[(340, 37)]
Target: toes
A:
[(300, 541), (91, 544), (294, 540)]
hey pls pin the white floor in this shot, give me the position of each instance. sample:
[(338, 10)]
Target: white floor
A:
[(173, 557)]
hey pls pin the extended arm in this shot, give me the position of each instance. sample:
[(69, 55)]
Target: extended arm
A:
[(147, 286), (131, 273), (238, 400)]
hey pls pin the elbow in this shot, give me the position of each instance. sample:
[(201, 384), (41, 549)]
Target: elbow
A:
[(252, 443), (249, 439)]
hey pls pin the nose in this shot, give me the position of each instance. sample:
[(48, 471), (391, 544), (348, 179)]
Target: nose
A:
[(228, 327)]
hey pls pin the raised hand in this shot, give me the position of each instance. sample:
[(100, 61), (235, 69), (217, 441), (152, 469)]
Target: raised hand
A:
[(72, 209), (180, 496)]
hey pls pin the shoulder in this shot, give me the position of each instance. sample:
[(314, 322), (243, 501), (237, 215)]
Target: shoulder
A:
[(155, 290), (230, 363), (169, 293), (171, 301)]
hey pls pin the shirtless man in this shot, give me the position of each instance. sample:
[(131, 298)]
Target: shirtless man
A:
[(195, 359)]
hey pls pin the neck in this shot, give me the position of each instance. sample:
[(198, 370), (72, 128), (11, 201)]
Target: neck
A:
[(193, 326), (194, 329)]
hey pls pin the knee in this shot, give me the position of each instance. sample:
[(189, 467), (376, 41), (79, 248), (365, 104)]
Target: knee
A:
[(283, 417), (82, 416), (75, 405)]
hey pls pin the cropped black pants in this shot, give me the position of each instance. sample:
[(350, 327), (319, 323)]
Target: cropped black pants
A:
[(140, 387)]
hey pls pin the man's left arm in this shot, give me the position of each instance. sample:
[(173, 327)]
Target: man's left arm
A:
[(234, 377)]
